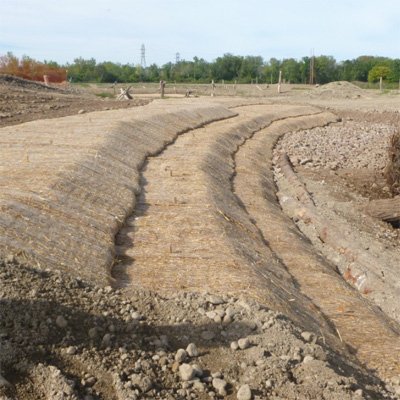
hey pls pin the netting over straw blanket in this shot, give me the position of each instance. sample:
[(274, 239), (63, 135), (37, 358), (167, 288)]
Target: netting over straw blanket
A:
[(68, 184)]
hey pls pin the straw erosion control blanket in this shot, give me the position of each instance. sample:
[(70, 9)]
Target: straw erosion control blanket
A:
[(68, 184), (68, 197)]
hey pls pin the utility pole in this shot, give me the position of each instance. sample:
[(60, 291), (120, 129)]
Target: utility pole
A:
[(312, 66), (143, 56)]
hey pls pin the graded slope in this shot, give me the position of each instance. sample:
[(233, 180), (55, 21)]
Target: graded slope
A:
[(68, 184), (190, 232)]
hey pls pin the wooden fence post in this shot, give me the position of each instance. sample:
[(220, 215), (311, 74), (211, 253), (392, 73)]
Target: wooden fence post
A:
[(162, 88), (279, 81)]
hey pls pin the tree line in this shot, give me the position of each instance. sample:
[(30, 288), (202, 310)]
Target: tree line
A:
[(28, 68), (228, 68)]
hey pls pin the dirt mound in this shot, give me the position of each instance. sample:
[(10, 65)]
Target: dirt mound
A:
[(15, 81), (23, 100), (63, 338), (340, 89)]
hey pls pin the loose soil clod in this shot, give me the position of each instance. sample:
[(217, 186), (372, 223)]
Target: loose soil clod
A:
[(105, 352), (392, 171)]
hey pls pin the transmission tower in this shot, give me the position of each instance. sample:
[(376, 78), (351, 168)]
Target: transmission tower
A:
[(177, 58), (143, 56)]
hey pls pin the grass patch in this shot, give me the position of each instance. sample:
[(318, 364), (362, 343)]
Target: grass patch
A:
[(386, 85), (302, 88), (105, 95), (82, 84)]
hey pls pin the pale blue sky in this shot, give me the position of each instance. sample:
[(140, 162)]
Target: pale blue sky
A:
[(115, 29)]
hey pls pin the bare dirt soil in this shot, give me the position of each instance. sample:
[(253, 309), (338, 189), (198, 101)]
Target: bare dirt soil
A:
[(23, 101), (172, 251)]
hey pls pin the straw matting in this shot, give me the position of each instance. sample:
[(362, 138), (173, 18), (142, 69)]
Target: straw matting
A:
[(68, 184)]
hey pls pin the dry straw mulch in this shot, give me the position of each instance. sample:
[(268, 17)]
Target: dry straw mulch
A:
[(67, 185)]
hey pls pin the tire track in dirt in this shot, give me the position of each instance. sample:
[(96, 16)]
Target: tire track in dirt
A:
[(362, 326), (189, 232)]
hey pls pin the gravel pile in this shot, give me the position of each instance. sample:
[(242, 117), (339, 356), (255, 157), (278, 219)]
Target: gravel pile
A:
[(62, 338), (346, 145)]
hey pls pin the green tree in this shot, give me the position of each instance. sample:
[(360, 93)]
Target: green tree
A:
[(202, 70), (184, 71), (395, 70), (346, 71), (362, 65), (379, 71), (227, 67), (52, 64), (325, 69), (271, 70), (83, 70), (128, 73), (304, 67), (107, 72), (251, 68), (291, 70), (166, 71), (153, 73)]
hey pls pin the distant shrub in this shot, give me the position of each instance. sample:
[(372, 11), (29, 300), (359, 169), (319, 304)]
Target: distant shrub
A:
[(31, 69)]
